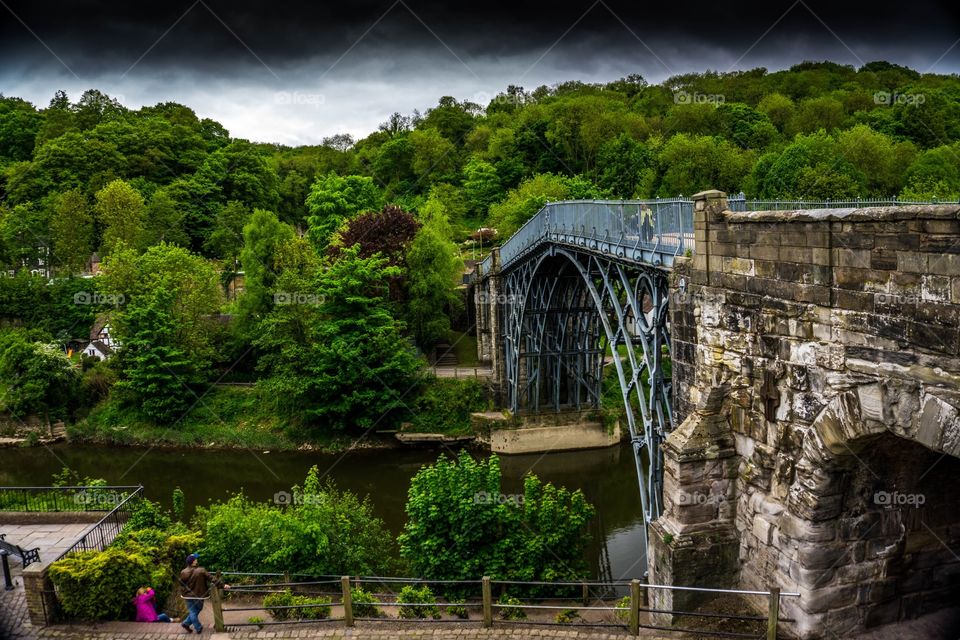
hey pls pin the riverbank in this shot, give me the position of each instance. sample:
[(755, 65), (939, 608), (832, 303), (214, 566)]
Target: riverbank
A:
[(228, 417)]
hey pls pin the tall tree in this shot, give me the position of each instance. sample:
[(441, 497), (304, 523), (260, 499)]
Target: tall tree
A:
[(72, 230), (335, 198), (120, 212), (435, 268)]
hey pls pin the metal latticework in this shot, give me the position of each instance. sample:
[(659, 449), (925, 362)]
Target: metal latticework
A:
[(567, 314)]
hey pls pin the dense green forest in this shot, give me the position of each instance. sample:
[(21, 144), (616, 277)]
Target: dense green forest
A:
[(351, 250)]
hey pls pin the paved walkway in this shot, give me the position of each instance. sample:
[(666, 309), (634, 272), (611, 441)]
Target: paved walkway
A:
[(52, 538), (364, 633)]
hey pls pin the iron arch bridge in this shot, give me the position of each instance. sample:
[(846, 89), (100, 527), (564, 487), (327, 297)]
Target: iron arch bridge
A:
[(580, 288)]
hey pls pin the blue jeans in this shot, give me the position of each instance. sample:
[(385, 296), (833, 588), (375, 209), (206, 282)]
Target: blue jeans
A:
[(194, 607), (162, 617)]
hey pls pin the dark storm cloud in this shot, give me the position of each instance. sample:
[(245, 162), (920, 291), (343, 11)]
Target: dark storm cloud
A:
[(295, 71)]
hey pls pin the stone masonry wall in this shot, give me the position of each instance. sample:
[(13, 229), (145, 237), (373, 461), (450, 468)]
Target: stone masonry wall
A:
[(808, 344)]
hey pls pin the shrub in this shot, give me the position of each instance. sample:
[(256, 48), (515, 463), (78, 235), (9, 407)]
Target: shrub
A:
[(458, 610), (414, 595), (457, 527), (512, 612), (255, 620), (623, 609), (98, 585), (302, 610), (324, 532), (362, 608), (445, 405), (567, 615), (147, 515)]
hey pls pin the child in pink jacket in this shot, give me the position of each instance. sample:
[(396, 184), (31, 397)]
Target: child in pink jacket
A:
[(146, 611)]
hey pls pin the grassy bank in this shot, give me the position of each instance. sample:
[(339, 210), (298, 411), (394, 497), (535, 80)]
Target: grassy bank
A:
[(227, 417)]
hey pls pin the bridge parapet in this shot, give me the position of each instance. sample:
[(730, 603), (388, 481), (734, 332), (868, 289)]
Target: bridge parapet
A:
[(825, 345)]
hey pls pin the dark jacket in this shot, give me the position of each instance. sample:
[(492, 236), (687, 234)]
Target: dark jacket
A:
[(196, 582)]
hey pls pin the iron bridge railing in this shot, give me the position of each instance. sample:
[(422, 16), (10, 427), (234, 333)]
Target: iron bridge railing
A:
[(618, 226), (651, 231)]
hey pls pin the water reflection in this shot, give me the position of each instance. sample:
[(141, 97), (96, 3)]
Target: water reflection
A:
[(606, 476)]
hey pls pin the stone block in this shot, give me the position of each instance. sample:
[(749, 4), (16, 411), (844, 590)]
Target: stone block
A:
[(934, 337), (941, 227), (846, 278), (764, 252), (883, 259), (935, 288), (940, 244), (912, 262), (947, 264), (796, 254)]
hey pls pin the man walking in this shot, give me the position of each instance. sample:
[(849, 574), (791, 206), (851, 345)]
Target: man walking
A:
[(196, 581)]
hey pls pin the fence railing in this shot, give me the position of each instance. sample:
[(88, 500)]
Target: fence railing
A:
[(76, 498), (99, 536), (652, 231), (624, 604)]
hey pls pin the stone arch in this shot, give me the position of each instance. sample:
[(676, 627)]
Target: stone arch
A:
[(868, 535)]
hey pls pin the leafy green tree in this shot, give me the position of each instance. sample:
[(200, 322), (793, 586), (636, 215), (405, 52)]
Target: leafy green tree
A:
[(164, 221), (165, 326), (434, 157), (72, 230), (529, 197), (779, 108), (625, 168), (120, 212), (156, 373), (333, 199), (935, 173), (36, 378), (481, 185), (435, 268), (338, 358), (226, 238), (695, 163), (460, 525), (262, 237), (19, 125), (810, 167)]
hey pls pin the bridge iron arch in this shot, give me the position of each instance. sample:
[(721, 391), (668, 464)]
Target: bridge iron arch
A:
[(567, 314)]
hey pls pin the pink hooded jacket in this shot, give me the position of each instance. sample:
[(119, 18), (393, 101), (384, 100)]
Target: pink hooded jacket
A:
[(145, 609)]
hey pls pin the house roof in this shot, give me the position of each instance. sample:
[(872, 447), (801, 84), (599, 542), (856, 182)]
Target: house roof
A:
[(101, 347), (102, 320)]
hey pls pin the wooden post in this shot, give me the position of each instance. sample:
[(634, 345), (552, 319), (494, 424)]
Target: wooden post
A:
[(635, 607), (774, 616), (487, 603), (347, 601), (586, 595), (216, 601)]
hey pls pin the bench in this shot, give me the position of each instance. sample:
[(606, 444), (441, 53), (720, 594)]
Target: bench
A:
[(27, 556)]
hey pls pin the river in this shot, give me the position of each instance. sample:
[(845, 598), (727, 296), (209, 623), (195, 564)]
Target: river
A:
[(606, 476)]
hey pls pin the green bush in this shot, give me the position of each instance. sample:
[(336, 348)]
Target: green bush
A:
[(458, 610), (445, 405), (303, 610), (323, 532), (512, 612), (623, 609), (567, 616), (147, 515), (422, 595), (362, 607), (99, 585), (459, 526)]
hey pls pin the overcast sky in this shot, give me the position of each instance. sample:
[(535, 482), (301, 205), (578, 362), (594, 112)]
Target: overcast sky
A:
[(294, 72)]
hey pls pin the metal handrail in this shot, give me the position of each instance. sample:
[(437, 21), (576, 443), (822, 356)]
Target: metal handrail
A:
[(56, 499), (107, 528)]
